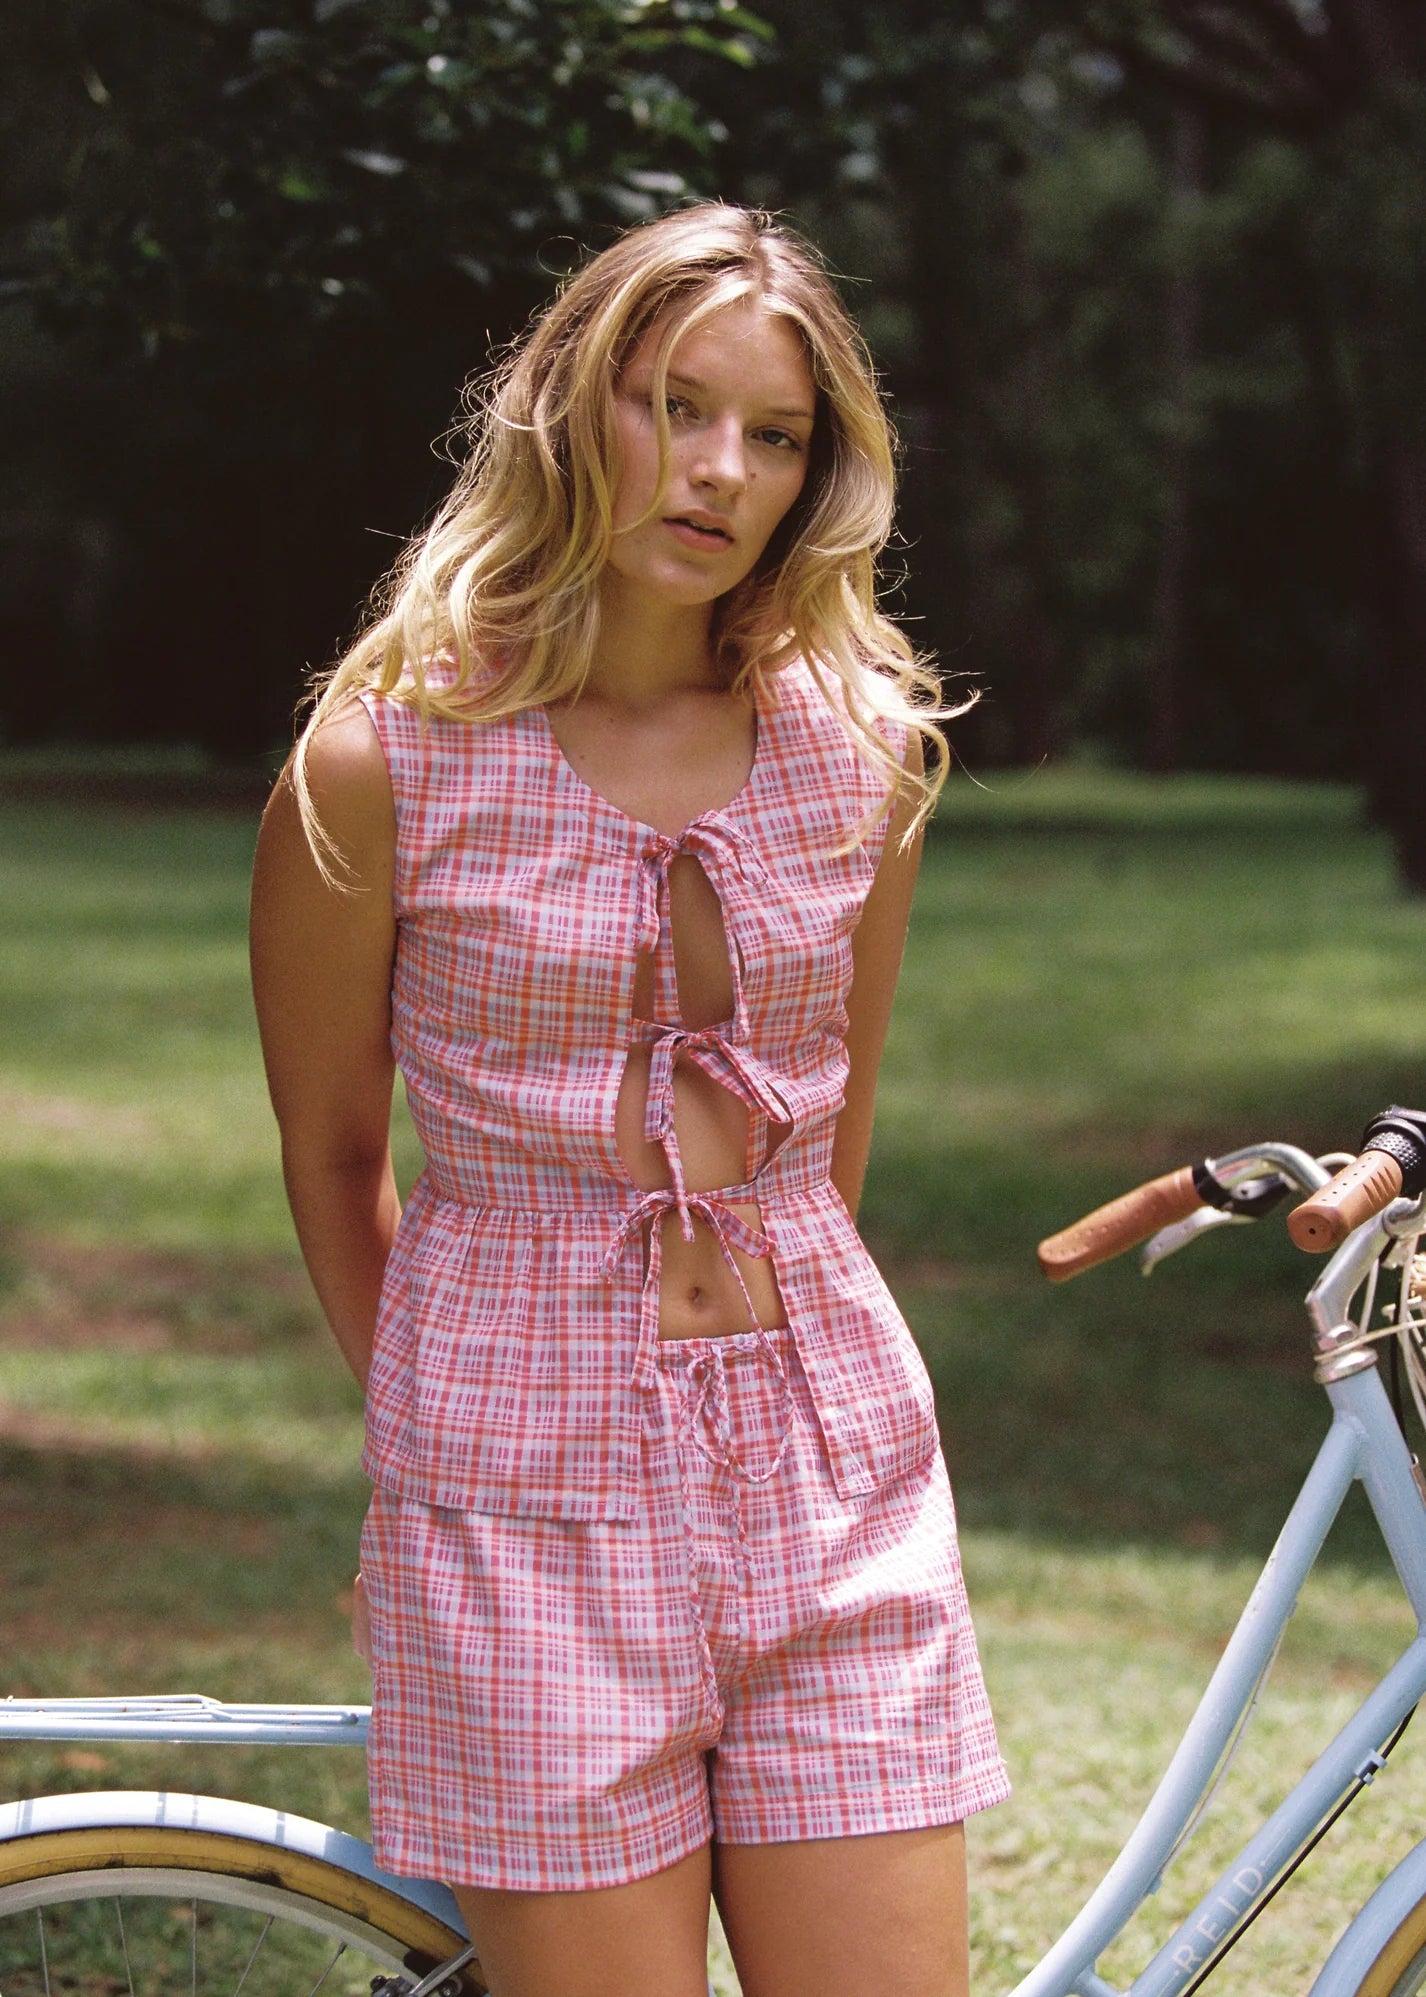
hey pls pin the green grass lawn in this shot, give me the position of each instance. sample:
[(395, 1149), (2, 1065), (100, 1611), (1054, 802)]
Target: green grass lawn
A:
[(1107, 977)]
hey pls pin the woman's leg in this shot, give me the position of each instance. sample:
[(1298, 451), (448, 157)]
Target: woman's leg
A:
[(646, 1939), (885, 1912)]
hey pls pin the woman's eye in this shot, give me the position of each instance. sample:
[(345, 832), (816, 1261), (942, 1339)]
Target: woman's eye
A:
[(783, 439), (675, 408), (673, 405)]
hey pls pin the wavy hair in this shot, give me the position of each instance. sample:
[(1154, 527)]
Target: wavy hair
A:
[(502, 587)]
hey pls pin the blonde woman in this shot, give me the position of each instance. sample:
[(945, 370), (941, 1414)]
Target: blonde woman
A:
[(605, 835)]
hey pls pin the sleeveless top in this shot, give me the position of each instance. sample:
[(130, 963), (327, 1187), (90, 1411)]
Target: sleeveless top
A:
[(515, 1339)]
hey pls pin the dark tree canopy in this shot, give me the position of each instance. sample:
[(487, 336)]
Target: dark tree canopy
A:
[(267, 242), (1147, 280), (234, 164)]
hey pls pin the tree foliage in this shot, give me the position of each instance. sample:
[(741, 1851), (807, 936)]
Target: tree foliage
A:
[(235, 161), (264, 242)]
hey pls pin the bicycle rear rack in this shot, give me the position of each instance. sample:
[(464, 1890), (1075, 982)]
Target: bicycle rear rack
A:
[(183, 1717)]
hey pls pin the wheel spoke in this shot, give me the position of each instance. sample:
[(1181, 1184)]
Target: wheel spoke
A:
[(110, 1915), (124, 1947), (44, 1952), (257, 1948), (341, 1951)]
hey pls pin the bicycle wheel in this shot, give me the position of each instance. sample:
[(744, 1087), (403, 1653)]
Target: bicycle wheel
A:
[(1400, 1969), (128, 1911)]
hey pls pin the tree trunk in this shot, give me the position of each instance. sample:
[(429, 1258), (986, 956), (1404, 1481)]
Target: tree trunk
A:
[(1169, 610), (1380, 47), (1396, 781)]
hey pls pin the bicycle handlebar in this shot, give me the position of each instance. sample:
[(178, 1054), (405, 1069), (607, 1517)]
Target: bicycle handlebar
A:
[(1359, 1192), (1392, 1162), (1122, 1224)]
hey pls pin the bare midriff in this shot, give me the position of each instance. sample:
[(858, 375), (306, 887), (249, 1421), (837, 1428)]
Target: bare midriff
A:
[(699, 1295)]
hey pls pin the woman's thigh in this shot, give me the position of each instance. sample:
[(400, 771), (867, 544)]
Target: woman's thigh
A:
[(649, 1937), (885, 1912)]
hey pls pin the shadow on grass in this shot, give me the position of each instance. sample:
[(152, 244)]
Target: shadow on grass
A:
[(125, 1571), (1081, 1421), (116, 1544), (1179, 1410), (932, 1193)]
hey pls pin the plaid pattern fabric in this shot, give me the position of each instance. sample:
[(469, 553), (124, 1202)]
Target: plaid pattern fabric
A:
[(750, 1657), (516, 1343)]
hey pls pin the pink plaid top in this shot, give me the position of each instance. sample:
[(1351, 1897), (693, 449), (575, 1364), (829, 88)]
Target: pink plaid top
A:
[(515, 1339)]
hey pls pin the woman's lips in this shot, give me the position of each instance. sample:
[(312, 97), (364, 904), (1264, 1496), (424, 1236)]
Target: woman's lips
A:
[(712, 540)]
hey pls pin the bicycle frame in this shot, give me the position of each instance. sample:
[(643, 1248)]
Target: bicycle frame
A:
[(1364, 1442)]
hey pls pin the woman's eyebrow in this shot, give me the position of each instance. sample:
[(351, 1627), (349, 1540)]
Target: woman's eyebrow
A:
[(700, 387)]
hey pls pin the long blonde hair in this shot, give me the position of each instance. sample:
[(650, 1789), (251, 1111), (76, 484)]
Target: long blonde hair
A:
[(503, 585)]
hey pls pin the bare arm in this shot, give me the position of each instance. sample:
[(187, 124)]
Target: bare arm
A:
[(877, 946), (321, 962)]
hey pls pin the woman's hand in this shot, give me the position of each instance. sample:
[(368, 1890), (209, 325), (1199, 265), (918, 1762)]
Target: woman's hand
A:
[(361, 1621)]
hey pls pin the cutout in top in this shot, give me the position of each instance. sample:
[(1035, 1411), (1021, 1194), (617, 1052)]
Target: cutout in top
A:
[(721, 1142)]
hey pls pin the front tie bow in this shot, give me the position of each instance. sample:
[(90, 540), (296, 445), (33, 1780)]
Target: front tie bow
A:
[(730, 1228), (713, 838), (731, 1066), (732, 1233)]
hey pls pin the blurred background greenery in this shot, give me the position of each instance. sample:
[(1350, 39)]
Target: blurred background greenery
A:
[(1145, 278), (1146, 282)]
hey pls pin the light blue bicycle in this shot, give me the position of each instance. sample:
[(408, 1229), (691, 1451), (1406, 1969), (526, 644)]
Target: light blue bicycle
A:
[(136, 1894)]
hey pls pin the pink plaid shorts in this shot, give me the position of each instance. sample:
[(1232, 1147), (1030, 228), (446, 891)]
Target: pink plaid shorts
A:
[(567, 1704)]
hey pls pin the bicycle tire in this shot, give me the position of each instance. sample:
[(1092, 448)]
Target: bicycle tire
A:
[(135, 1911), (1400, 1968)]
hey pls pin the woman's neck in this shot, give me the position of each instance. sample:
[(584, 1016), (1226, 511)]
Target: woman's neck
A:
[(649, 649)]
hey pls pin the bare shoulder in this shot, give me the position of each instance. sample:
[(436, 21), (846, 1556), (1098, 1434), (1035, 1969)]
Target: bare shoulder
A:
[(904, 807), (345, 759), (349, 787)]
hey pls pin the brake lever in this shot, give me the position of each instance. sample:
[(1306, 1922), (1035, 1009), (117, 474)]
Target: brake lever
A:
[(1179, 1233)]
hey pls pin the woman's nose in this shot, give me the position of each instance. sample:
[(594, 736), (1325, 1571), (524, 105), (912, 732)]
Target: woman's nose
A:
[(721, 458)]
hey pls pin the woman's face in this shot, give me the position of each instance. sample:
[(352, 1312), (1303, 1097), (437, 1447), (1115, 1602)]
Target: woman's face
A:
[(741, 405)]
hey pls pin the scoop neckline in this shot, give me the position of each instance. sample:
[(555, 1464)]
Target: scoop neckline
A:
[(566, 770)]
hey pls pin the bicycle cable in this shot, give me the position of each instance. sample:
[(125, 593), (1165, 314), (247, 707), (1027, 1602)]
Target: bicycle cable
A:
[(1402, 1322), (1367, 1774), (1408, 1321)]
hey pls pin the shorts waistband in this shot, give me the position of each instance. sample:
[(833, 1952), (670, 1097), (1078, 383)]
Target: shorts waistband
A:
[(729, 1346)]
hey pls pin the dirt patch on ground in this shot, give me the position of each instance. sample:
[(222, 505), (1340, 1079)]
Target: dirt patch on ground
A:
[(161, 1527), (115, 1548), (939, 1272), (52, 1115), (1143, 1149), (63, 1295), (27, 1429), (114, 1553)]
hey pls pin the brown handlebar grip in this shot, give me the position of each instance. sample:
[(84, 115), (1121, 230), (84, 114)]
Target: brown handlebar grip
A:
[(1359, 1191), (1110, 1229)]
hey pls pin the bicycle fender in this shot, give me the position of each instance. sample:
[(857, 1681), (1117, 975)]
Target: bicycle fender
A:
[(144, 1809), (1372, 1928)]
